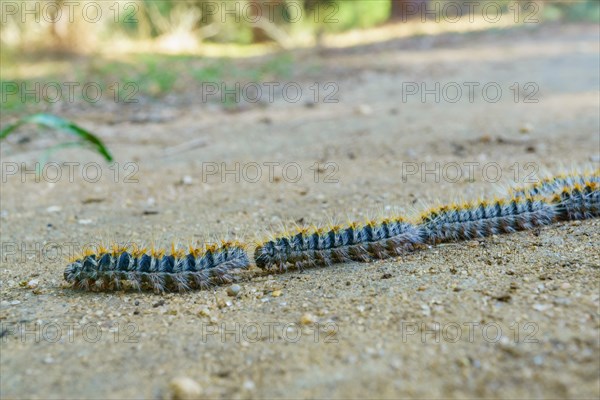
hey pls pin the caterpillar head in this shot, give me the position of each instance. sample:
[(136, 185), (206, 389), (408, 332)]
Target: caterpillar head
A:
[(72, 271), (264, 253)]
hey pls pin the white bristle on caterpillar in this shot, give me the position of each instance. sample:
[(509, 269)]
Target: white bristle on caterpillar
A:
[(156, 270)]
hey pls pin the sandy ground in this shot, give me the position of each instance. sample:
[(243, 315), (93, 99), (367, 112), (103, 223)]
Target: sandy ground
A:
[(509, 316)]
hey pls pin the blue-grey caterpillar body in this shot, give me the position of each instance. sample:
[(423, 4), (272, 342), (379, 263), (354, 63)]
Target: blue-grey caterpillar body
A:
[(478, 220), (578, 202), (318, 247), (155, 270)]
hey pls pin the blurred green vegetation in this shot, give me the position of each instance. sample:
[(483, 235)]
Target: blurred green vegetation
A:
[(140, 76), (573, 11), (150, 48), (189, 22)]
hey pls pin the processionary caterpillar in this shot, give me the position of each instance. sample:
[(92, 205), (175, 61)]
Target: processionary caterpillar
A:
[(561, 198)]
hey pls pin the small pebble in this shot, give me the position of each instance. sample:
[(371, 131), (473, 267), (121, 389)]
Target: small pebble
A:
[(363, 109), (234, 290), (541, 307), (562, 301), (222, 303), (526, 128), (249, 385), (308, 319), (32, 284), (204, 312), (183, 388), (396, 364), (276, 293)]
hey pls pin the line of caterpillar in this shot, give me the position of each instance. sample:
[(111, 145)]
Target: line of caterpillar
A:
[(142, 269), (562, 198)]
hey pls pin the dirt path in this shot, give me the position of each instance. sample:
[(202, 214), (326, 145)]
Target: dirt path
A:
[(508, 316)]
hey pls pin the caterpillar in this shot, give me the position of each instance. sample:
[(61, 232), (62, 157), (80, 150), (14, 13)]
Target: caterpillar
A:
[(106, 269), (485, 218), (338, 244), (578, 202)]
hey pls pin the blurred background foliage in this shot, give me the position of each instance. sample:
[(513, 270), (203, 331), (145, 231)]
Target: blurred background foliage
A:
[(170, 47), (183, 25)]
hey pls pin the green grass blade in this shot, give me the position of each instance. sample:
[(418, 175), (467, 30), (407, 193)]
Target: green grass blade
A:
[(56, 122)]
